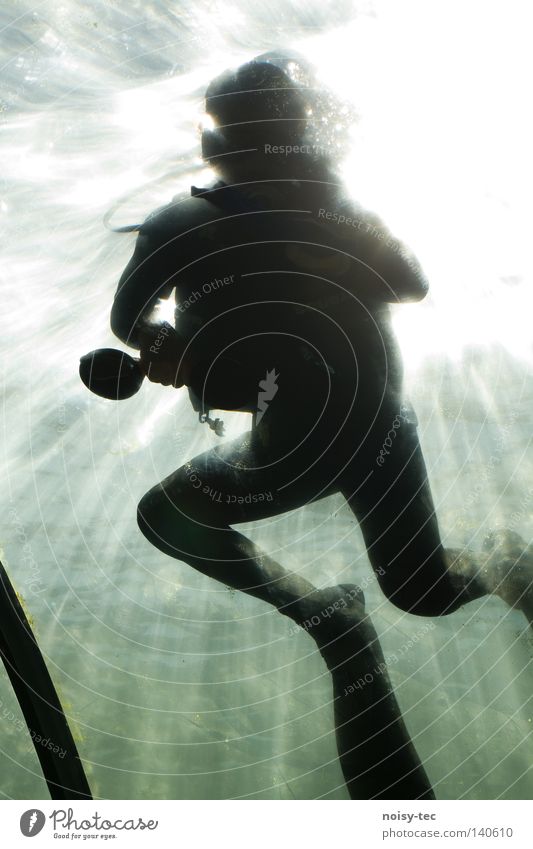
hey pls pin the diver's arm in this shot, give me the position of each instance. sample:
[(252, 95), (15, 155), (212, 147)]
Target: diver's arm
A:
[(144, 280), (393, 271), (164, 355)]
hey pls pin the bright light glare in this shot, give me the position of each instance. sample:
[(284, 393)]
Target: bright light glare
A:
[(431, 155), (164, 310), (206, 122)]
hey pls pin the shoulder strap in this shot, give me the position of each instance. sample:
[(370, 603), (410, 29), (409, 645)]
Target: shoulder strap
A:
[(227, 197)]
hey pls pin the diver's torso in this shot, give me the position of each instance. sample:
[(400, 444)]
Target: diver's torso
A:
[(263, 281)]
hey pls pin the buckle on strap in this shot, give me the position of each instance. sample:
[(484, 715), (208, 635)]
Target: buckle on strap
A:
[(215, 424)]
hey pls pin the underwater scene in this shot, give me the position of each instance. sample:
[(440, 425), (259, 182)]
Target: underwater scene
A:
[(244, 630)]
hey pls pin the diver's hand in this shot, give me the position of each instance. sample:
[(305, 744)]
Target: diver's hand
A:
[(163, 355)]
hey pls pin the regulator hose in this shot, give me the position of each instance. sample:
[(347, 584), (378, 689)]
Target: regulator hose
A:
[(38, 700)]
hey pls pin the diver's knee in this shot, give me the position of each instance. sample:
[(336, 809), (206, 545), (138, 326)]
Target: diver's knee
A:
[(162, 514), (148, 511), (418, 604), (156, 512), (421, 607)]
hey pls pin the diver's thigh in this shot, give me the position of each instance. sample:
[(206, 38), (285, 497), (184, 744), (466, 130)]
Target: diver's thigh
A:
[(395, 510), (391, 492), (237, 482)]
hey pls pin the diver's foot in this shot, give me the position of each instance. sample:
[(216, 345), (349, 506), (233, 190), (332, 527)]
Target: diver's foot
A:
[(508, 570)]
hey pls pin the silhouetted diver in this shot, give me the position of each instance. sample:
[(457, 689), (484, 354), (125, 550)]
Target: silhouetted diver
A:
[(282, 295)]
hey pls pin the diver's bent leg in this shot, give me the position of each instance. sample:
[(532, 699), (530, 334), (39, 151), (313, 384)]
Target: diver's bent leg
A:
[(221, 553), (397, 517), (188, 516)]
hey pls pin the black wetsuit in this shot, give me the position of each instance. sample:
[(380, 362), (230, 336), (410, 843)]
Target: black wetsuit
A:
[(270, 286)]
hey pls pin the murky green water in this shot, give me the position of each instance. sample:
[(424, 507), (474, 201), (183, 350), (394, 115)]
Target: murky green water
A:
[(175, 686)]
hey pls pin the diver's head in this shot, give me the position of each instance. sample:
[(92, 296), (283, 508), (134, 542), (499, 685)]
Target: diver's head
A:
[(257, 111)]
